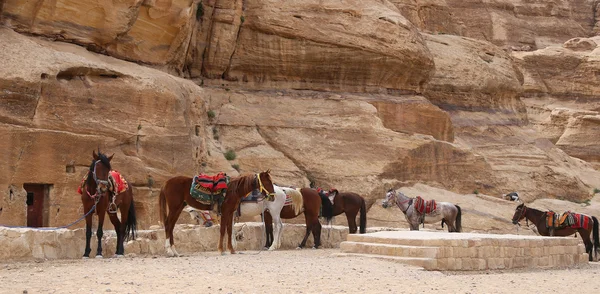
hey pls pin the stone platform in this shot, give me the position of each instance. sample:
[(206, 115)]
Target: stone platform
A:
[(467, 251), (27, 243)]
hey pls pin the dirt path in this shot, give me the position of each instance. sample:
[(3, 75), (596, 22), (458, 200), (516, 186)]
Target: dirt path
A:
[(297, 271)]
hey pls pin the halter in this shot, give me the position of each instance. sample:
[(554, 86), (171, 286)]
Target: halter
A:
[(262, 188), (523, 216), (401, 202), (112, 208)]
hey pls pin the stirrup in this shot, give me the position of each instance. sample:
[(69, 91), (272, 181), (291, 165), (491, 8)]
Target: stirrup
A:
[(112, 208)]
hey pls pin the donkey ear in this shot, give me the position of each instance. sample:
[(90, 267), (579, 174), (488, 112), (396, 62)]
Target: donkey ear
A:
[(95, 156), (110, 157)]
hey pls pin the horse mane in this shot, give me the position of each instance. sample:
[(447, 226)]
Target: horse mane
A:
[(241, 183)]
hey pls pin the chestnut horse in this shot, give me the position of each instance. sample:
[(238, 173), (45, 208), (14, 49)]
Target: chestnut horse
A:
[(98, 192), (538, 218), (310, 207), (349, 203), (175, 194)]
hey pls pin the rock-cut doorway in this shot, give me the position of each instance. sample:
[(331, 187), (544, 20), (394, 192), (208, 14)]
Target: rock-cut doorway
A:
[(37, 201)]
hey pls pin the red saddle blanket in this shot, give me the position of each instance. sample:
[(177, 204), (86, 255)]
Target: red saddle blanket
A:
[(567, 219), (423, 206), (119, 183), (208, 184)]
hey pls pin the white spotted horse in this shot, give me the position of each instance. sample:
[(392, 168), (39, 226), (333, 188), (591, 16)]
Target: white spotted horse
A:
[(417, 211)]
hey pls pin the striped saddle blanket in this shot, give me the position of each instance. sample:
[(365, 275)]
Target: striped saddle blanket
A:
[(567, 219), (425, 207), (204, 187)]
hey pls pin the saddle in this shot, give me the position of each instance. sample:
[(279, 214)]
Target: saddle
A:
[(425, 207), (209, 190), (326, 194), (118, 184), (566, 219)]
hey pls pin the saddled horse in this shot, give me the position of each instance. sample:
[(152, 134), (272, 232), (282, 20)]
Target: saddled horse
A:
[(255, 208), (101, 188), (538, 218), (175, 194), (311, 205), (445, 211), (349, 203)]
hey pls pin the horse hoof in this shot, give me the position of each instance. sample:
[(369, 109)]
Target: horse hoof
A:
[(85, 257), (99, 256), (271, 248), (119, 256), (314, 247), (298, 248)]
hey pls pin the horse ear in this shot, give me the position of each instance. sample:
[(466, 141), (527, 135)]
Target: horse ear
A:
[(110, 157), (268, 171), (95, 156)]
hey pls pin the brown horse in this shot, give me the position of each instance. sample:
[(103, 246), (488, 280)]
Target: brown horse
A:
[(175, 194), (538, 218), (99, 191), (349, 203), (311, 207)]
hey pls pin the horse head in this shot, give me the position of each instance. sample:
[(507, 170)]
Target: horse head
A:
[(99, 171), (390, 198), (519, 213), (265, 183)]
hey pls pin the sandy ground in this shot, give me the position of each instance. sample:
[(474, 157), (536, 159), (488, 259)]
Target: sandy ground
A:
[(294, 271)]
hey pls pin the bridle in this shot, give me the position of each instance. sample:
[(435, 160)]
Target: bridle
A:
[(99, 184), (262, 188), (398, 203), (523, 211)]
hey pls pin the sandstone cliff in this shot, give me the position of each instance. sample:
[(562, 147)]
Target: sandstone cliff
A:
[(358, 95)]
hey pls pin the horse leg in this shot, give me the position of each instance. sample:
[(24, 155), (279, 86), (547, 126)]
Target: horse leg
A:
[(317, 233), (117, 224), (222, 230), (88, 233), (351, 217), (99, 232), (169, 227), (277, 237), (308, 230), (268, 219), (230, 234)]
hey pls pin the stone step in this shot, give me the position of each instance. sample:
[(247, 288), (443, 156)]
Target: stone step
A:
[(389, 249), (426, 263)]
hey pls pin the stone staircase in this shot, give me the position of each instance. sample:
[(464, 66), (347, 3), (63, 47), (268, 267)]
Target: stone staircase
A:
[(466, 251)]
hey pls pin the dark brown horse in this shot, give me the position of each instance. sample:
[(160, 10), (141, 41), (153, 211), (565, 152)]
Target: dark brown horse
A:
[(538, 218), (175, 194), (311, 207), (349, 203), (99, 188)]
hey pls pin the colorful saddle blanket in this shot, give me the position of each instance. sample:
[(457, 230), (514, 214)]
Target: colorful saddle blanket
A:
[(253, 196), (425, 207), (119, 184), (204, 187), (288, 199), (567, 219)]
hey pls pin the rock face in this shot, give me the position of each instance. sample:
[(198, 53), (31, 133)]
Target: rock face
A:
[(346, 94), (120, 29), (60, 102), (512, 24), (325, 45), (561, 95)]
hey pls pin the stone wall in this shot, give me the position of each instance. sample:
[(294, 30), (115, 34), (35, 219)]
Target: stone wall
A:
[(25, 243)]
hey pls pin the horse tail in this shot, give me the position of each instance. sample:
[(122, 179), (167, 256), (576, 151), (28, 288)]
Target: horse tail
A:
[(458, 219), (327, 207), (595, 233), (297, 201), (131, 225), (363, 216), (162, 206)]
